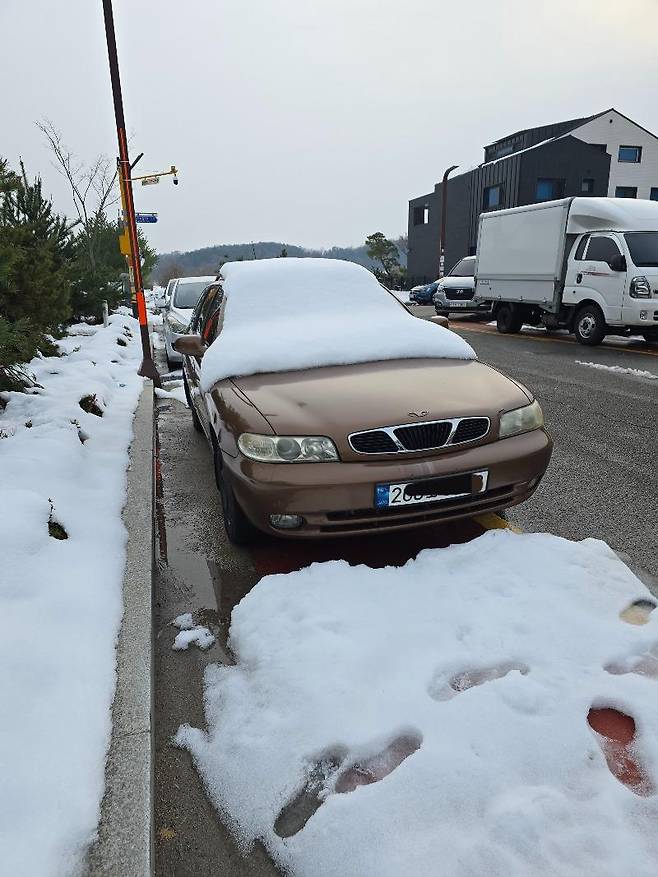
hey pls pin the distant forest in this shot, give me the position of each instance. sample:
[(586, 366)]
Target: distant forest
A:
[(208, 260)]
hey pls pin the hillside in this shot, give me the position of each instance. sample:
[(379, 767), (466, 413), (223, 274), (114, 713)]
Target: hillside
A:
[(208, 259)]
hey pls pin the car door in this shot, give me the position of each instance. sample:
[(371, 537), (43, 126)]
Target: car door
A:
[(203, 323), (606, 284)]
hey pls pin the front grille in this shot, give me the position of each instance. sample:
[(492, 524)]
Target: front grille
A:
[(470, 429), (375, 442), (424, 436), (428, 436), (458, 294)]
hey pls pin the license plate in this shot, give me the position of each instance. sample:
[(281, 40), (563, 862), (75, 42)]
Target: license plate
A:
[(430, 489), (458, 304)]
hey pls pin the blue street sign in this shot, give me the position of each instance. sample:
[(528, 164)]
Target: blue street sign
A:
[(146, 217)]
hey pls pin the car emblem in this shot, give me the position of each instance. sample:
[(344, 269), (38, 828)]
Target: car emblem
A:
[(418, 413)]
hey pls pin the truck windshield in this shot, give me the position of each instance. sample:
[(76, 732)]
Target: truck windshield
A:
[(644, 248)]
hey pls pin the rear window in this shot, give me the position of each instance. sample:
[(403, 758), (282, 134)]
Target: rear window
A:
[(644, 248), (465, 268), (188, 294)]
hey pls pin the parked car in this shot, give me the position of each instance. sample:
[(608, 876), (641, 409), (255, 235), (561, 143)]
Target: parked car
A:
[(325, 421), (589, 265), (455, 291), (423, 295), (182, 295)]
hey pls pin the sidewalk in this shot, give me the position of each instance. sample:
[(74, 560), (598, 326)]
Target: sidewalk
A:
[(124, 847)]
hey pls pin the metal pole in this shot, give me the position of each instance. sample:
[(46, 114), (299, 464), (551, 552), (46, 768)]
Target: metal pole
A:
[(444, 217), (147, 368)]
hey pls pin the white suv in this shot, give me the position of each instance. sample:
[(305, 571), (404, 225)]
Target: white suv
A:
[(182, 295), (456, 290)]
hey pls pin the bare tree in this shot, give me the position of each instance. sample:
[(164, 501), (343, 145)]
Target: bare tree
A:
[(93, 186)]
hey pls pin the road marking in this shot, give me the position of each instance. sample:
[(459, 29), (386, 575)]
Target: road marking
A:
[(522, 335), (492, 521)]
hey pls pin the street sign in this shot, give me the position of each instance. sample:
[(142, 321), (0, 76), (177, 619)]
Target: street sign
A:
[(146, 217), (150, 181)]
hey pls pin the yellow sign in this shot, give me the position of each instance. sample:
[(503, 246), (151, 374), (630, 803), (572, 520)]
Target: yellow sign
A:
[(124, 244)]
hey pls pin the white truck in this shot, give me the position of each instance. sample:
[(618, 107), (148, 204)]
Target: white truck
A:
[(589, 265)]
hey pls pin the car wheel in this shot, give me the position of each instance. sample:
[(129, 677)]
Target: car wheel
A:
[(239, 529), (441, 312), (196, 423), (650, 337), (508, 320), (589, 325)]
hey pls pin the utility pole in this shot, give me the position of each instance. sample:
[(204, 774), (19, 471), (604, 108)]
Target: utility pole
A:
[(444, 218), (130, 244)]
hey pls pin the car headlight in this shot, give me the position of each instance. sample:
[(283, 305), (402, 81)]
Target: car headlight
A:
[(176, 325), (521, 420), (288, 449)]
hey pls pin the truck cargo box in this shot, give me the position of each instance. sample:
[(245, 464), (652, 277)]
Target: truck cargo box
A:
[(521, 254)]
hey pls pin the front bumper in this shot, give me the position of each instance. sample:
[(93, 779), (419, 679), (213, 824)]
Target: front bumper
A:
[(337, 499), (467, 306)]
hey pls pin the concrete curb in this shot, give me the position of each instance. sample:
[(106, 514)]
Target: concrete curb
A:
[(124, 846)]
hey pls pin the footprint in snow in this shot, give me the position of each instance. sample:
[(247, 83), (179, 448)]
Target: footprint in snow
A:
[(441, 690), (616, 735), (334, 773)]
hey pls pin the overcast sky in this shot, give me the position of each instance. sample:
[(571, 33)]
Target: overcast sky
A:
[(305, 121)]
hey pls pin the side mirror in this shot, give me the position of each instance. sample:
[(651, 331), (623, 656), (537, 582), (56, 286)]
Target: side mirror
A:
[(618, 263), (190, 345), (438, 320)]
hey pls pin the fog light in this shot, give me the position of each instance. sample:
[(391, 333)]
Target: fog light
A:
[(286, 522), (644, 315)]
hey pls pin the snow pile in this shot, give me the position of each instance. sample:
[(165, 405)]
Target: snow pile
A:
[(62, 551), (286, 314), (191, 633), (433, 719), (617, 369)]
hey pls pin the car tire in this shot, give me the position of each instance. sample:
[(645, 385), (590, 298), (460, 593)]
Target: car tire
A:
[(589, 325), (196, 423), (650, 337), (441, 312), (509, 319), (238, 527)]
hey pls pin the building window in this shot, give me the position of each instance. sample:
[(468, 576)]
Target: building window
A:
[(493, 197), (549, 190), (630, 153), (653, 194), (421, 214), (587, 186), (626, 192)]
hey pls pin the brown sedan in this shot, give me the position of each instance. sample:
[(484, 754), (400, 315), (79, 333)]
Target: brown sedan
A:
[(352, 449)]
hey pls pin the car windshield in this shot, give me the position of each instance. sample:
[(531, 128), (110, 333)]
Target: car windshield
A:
[(644, 248), (465, 268), (188, 294)]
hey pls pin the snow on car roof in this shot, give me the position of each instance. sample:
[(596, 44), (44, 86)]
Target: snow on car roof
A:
[(288, 314)]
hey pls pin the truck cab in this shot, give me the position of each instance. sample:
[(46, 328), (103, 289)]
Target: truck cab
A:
[(617, 274)]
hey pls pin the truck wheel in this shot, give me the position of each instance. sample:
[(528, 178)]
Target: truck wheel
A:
[(650, 337), (509, 319), (589, 325), (239, 529)]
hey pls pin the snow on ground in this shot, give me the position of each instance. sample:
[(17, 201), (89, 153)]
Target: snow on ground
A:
[(62, 469), (433, 719), (286, 314), (175, 391), (191, 633), (617, 369)]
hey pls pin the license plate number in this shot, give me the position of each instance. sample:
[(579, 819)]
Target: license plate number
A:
[(431, 489)]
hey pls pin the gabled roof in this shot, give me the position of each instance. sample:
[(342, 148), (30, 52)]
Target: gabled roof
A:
[(568, 125)]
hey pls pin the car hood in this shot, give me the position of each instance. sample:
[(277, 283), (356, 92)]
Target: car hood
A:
[(339, 400), (458, 283)]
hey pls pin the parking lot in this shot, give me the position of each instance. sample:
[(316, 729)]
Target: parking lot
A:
[(601, 483)]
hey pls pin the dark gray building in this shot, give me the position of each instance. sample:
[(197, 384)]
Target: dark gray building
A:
[(536, 164)]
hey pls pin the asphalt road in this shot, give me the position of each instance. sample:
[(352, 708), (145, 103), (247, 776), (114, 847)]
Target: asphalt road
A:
[(603, 477), (602, 483)]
